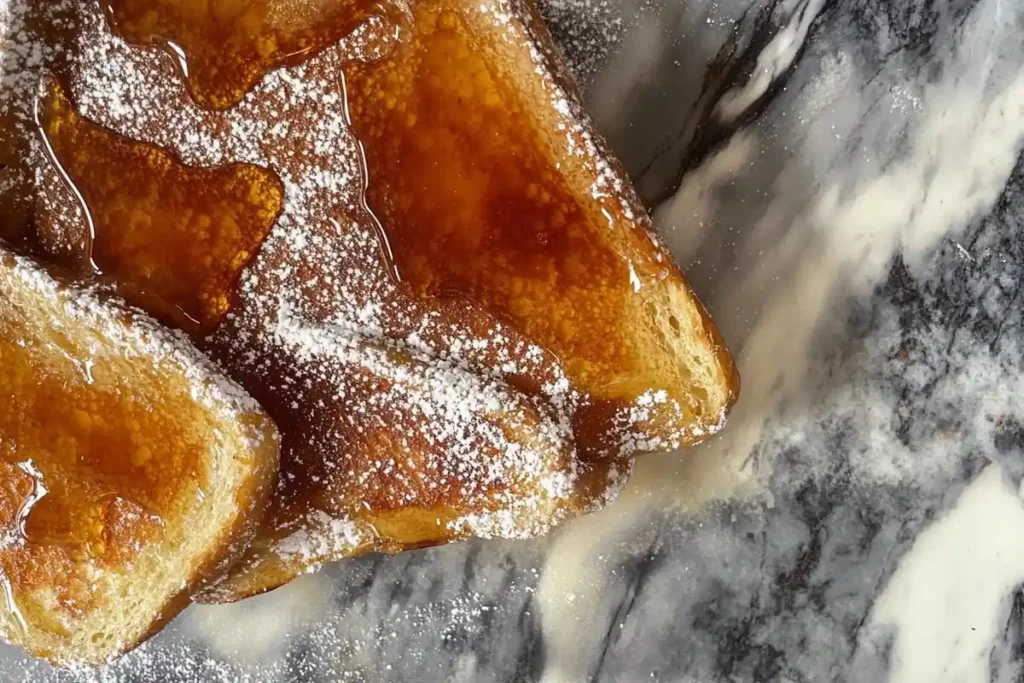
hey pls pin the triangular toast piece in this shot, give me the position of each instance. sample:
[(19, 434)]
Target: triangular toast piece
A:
[(490, 181), (661, 376), (131, 471)]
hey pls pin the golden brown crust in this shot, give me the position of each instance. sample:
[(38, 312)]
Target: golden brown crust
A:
[(286, 335), (428, 524), (251, 498), (729, 371), (97, 552), (400, 533)]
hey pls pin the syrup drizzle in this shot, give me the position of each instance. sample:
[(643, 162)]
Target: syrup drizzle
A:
[(174, 238), (224, 47), (475, 199), (85, 441), (554, 223), (34, 496)]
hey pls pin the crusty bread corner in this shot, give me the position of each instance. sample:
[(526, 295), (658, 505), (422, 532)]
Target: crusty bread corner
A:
[(683, 357), (80, 610), (687, 347)]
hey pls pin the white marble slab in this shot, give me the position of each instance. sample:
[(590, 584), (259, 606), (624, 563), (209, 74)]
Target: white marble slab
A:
[(844, 182)]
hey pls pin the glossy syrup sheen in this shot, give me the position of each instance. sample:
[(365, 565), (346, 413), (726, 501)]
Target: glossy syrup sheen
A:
[(224, 47), (86, 465), (174, 238), (472, 196), (461, 172), (461, 177)]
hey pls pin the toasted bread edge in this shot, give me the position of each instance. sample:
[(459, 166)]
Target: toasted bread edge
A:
[(245, 429)]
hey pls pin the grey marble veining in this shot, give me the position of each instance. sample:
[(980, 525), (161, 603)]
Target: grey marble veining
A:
[(844, 183)]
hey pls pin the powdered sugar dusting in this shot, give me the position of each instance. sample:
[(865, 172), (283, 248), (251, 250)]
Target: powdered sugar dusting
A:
[(463, 413), (373, 385), (104, 326), (322, 536)]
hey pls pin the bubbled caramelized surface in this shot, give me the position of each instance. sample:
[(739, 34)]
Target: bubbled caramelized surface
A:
[(173, 238), (225, 46), (464, 175), (90, 470)]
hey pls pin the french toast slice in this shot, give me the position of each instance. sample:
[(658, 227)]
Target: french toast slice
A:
[(490, 181), (131, 471), (669, 385)]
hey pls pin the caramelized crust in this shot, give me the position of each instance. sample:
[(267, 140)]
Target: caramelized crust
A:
[(467, 183), (174, 239), (538, 335), (224, 47)]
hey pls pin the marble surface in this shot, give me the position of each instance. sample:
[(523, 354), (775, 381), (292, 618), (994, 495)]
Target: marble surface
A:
[(844, 182)]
